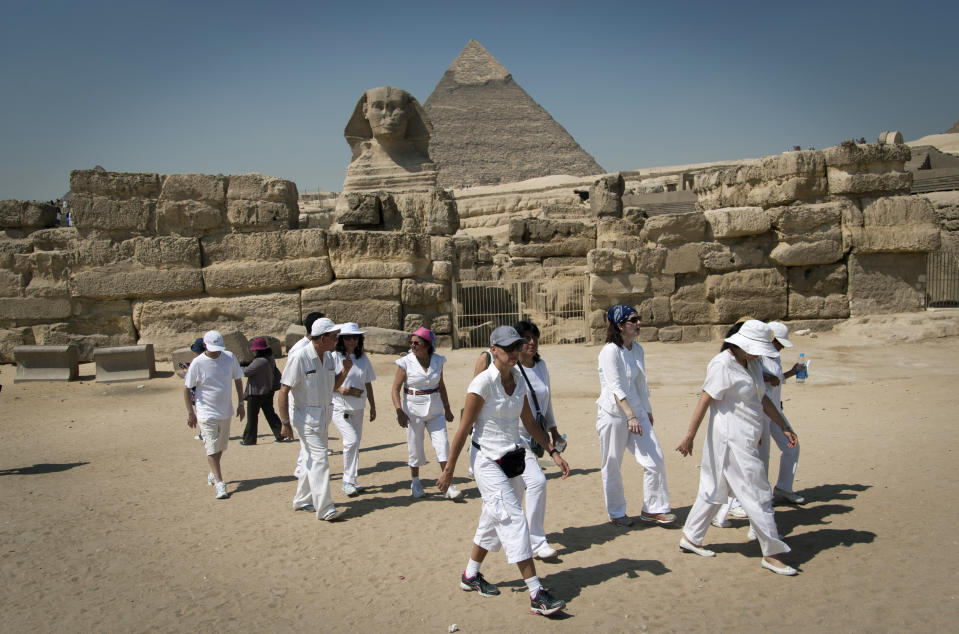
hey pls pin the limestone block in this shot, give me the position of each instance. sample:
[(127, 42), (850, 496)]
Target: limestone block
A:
[(861, 155), (867, 168), (46, 363), (123, 282), (188, 217), (735, 222), (11, 248), (23, 214), (818, 280), (759, 293), (55, 265), (94, 323), (842, 181), (439, 324), (59, 239), (117, 185), (619, 285), (720, 258), (885, 282), (353, 290), (370, 312), (182, 358), (442, 216), (98, 214), (386, 341), (47, 287), (649, 259), (684, 259), (261, 214), (676, 228), (807, 253), (774, 180), (236, 342), (465, 253), (606, 196), (689, 305), (441, 248), (609, 261), (539, 238), (416, 293), (244, 277), (893, 224), (369, 254), (10, 338), (165, 322), (620, 233), (359, 210), (11, 284), (654, 311), (442, 271), (670, 334), (662, 284), (124, 363), (646, 333), (260, 187), (196, 187), (293, 334), (34, 309), (807, 306)]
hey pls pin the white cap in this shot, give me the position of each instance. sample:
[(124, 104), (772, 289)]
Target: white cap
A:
[(213, 341), (780, 332), (755, 338), (322, 326), (350, 328)]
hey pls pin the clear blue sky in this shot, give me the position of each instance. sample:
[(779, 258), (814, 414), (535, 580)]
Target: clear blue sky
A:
[(233, 87)]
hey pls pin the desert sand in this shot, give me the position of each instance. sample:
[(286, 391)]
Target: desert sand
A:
[(109, 525)]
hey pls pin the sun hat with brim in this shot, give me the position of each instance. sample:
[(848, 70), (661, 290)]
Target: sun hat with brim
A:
[(780, 332), (504, 337), (351, 328), (322, 326), (425, 334), (213, 341), (259, 343), (755, 338)]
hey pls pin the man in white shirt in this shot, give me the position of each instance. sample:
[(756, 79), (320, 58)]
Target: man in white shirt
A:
[(310, 377), (209, 377)]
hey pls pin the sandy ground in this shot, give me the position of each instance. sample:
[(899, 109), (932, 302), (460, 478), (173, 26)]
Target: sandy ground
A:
[(108, 524)]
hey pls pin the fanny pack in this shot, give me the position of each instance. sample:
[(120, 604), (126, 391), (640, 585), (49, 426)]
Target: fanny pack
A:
[(513, 463)]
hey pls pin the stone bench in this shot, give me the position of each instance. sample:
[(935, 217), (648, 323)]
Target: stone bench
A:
[(46, 363), (124, 363)]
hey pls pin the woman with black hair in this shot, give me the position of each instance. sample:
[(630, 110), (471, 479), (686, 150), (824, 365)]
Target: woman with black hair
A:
[(625, 421), (735, 395), (259, 392), (349, 400)]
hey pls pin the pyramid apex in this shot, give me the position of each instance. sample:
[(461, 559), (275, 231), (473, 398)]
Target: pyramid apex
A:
[(475, 65)]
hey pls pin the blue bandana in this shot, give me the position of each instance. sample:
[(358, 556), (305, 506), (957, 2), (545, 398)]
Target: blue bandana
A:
[(619, 313)]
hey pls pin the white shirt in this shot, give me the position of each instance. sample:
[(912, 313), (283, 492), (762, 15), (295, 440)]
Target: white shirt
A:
[(736, 414), (622, 375), (422, 405), (496, 430), (311, 379), (538, 377), (213, 380), (359, 375), (773, 366)]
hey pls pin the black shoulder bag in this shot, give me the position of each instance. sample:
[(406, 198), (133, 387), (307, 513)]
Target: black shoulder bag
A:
[(540, 419)]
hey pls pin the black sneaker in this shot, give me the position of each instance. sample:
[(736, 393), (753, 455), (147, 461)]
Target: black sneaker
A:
[(478, 584), (544, 603)]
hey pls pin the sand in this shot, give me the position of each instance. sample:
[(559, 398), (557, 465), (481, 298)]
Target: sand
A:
[(109, 524)]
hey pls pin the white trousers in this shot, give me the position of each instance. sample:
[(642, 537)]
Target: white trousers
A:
[(534, 481), (502, 522), (615, 440), (742, 474), (313, 482), (415, 432), (350, 424)]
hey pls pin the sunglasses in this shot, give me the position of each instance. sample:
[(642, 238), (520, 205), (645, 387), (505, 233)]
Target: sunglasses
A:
[(634, 319), (415, 343)]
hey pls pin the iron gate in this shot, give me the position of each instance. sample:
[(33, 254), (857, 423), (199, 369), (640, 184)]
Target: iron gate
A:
[(557, 306), (942, 279)]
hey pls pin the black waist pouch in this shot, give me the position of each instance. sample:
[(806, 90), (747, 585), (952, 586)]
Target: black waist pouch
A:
[(513, 463)]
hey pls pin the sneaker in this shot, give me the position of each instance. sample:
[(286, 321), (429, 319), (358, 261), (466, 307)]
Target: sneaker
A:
[(658, 518), (789, 496), (221, 493), (350, 489), (331, 515), (738, 512), (452, 492), (417, 489), (751, 535), (545, 552), (721, 523), (478, 584), (623, 521), (305, 507), (544, 603), (211, 479)]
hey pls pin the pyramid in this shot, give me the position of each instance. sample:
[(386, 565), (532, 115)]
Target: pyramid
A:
[(954, 128), (487, 130)]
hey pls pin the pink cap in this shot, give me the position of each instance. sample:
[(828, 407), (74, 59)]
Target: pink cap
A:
[(425, 334)]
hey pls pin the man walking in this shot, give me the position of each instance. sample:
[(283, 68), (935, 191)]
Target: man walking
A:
[(209, 377)]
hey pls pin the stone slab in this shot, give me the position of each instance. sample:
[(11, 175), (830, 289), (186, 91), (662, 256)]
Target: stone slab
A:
[(124, 363), (46, 363)]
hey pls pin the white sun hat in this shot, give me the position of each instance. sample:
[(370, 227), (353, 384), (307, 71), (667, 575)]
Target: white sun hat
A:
[(781, 332), (755, 338), (350, 328)]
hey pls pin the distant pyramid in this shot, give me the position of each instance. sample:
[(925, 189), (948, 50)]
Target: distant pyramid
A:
[(954, 128), (487, 130)]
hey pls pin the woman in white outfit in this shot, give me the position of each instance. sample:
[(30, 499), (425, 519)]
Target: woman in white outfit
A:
[(735, 396), (625, 421), (423, 406), (536, 376), (496, 400), (349, 400)]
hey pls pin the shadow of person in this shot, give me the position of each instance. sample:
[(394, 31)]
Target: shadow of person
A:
[(788, 519), (808, 545), (830, 492), (576, 538), (554, 472), (41, 468), (253, 483), (567, 584), (384, 446)]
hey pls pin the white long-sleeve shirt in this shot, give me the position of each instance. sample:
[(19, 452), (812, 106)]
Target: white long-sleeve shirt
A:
[(622, 375)]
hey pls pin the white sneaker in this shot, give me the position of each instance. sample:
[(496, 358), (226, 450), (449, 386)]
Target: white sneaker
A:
[(417, 489), (546, 552), (332, 514), (452, 492), (350, 489), (721, 523), (738, 512), (211, 479), (221, 493)]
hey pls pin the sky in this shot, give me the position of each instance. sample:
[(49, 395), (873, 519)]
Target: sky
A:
[(209, 86)]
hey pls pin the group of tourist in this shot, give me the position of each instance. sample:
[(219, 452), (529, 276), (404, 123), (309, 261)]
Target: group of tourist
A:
[(509, 422)]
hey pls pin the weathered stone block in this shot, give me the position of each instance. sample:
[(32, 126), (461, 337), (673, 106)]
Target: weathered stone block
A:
[(352, 290), (654, 311), (540, 238), (441, 248), (188, 217), (245, 276), (23, 214), (370, 312), (46, 363), (720, 258), (606, 196), (93, 324), (618, 285), (676, 228), (684, 259), (34, 309), (893, 224), (386, 340), (697, 334), (261, 214), (807, 253), (124, 363), (689, 304), (367, 254), (443, 218), (11, 248), (759, 293), (806, 306), (885, 283), (114, 184), (416, 293), (98, 214), (359, 210), (670, 334), (442, 271), (11, 284), (122, 282), (10, 338), (649, 259), (197, 187), (818, 280), (734, 222), (609, 261), (261, 187)]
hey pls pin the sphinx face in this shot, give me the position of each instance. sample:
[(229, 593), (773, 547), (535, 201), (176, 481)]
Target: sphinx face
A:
[(387, 110)]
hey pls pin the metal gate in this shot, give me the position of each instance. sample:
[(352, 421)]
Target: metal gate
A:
[(942, 279), (557, 306)]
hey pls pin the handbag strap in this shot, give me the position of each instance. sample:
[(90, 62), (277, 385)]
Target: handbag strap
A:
[(531, 390)]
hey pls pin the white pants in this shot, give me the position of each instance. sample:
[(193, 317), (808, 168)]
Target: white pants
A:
[(416, 430), (742, 473), (615, 440), (534, 481), (350, 424), (501, 523), (313, 482)]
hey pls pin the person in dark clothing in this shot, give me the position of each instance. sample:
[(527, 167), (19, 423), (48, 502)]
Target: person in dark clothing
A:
[(259, 392)]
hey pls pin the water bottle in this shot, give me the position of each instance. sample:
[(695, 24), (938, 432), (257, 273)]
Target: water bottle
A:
[(802, 372), (560, 445)]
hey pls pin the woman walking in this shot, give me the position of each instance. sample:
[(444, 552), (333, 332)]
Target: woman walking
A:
[(423, 406), (625, 421), (260, 386), (349, 400), (496, 400), (735, 396)]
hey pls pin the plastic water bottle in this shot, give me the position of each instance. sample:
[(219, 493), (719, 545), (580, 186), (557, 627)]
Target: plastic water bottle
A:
[(802, 372), (560, 445)]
